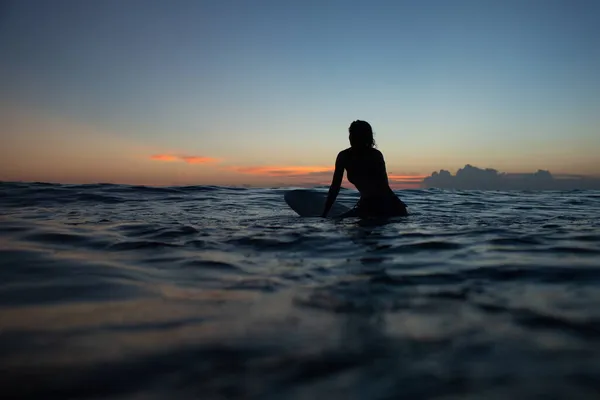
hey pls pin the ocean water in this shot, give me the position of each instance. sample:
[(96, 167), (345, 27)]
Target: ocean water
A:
[(131, 292)]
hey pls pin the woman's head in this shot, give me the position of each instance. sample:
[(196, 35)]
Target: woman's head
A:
[(361, 134)]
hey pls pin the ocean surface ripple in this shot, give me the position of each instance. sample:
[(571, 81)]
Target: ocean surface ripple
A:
[(134, 292)]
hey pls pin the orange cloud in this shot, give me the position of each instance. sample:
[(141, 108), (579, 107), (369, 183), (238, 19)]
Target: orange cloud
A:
[(406, 178), (281, 171), (198, 160), (186, 159), (163, 157)]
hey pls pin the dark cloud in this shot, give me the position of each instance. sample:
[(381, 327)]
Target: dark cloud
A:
[(471, 177)]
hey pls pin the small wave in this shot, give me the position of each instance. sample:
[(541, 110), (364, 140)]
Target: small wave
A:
[(431, 245), (58, 195), (93, 186), (538, 321), (154, 189), (587, 238), (210, 264), (265, 243), (353, 297), (260, 284), (142, 245), (14, 229), (135, 229), (66, 292), (172, 233), (96, 198), (516, 241), (66, 239), (533, 274), (588, 328), (574, 250), (200, 244), (414, 192), (210, 188)]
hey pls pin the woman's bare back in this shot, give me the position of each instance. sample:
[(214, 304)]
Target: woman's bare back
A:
[(366, 170)]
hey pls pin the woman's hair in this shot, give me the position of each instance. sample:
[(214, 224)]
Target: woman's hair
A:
[(361, 134)]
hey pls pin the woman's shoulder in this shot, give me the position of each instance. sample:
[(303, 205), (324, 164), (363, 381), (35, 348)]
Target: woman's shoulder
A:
[(344, 153), (343, 158)]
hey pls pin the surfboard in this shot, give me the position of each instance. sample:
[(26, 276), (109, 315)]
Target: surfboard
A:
[(310, 203)]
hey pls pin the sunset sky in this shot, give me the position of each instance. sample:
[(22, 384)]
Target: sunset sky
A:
[(262, 92)]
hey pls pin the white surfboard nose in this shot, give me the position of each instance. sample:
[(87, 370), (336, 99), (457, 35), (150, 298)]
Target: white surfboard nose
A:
[(311, 203)]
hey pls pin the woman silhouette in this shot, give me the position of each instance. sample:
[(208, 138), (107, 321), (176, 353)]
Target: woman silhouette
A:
[(365, 169)]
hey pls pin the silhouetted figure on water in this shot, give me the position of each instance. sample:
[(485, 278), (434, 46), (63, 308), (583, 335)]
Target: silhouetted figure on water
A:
[(365, 169)]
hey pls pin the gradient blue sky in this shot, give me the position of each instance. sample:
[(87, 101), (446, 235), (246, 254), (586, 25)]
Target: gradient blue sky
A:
[(91, 90)]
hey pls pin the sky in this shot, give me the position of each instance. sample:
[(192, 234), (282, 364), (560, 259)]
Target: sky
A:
[(262, 92)]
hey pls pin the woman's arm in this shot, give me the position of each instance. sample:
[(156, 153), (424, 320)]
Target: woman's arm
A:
[(336, 183)]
